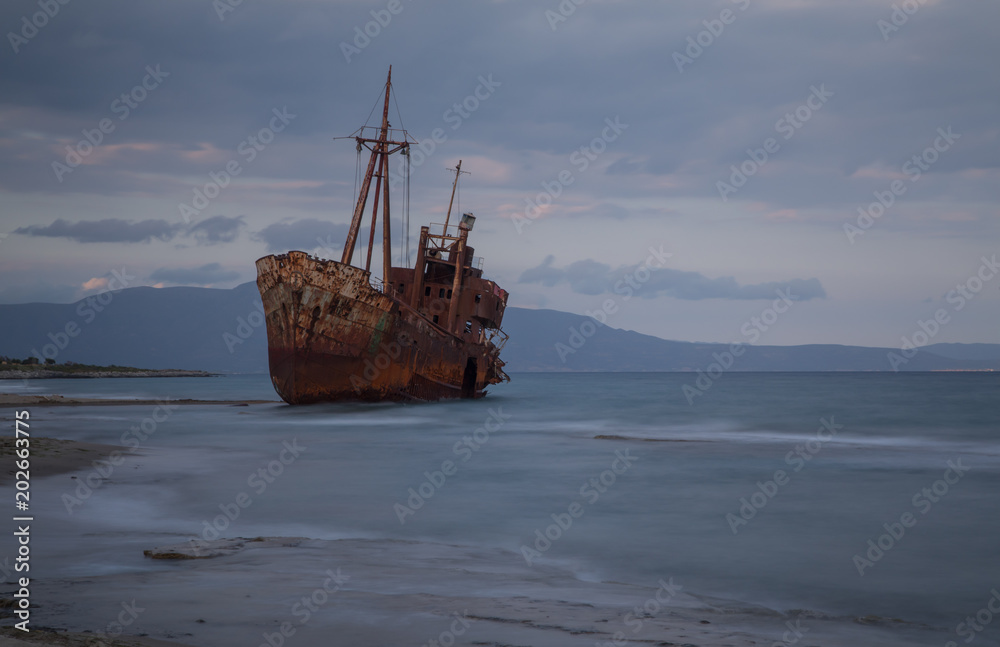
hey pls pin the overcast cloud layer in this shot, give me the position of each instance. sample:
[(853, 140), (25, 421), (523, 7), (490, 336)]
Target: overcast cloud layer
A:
[(846, 151)]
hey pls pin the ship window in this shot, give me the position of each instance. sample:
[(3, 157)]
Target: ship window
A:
[(449, 294), (468, 326), (479, 298), (435, 318), (427, 291), (441, 293)]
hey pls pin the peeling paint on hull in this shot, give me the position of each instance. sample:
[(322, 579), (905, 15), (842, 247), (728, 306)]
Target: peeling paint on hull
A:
[(333, 337)]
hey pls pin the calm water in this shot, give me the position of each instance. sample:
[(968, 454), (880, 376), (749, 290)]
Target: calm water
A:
[(664, 514)]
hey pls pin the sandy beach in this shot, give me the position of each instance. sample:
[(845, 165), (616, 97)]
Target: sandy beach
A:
[(384, 592)]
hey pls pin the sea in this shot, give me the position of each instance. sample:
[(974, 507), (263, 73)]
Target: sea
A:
[(851, 494)]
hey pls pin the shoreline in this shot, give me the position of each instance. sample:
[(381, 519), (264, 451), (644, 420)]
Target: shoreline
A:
[(43, 373), (54, 456), (47, 636), (9, 400)]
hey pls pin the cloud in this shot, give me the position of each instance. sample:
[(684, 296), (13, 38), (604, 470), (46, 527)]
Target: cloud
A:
[(212, 231), (96, 283), (109, 230), (592, 277), (217, 229), (305, 234), (209, 274)]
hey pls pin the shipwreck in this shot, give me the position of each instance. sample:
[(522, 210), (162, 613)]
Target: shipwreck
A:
[(335, 332)]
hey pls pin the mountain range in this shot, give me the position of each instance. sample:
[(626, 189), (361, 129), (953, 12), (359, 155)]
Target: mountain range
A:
[(221, 330)]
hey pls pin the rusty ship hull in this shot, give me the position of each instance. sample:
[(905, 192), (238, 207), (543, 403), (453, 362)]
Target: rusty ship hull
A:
[(426, 332), (333, 336)]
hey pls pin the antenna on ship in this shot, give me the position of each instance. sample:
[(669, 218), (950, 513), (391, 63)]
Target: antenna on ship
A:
[(381, 147), (458, 171)]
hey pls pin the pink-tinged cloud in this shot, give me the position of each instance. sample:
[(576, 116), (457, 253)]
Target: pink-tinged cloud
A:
[(980, 174), (103, 154), (205, 153), (96, 283)]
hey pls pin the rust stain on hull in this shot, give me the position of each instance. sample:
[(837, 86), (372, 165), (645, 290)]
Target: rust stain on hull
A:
[(333, 337)]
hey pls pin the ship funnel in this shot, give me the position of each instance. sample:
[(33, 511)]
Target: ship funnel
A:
[(468, 221)]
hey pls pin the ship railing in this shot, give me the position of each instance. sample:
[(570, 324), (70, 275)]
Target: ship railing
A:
[(496, 337), (381, 286), (439, 231)]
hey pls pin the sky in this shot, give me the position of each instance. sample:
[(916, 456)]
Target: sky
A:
[(768, 171)]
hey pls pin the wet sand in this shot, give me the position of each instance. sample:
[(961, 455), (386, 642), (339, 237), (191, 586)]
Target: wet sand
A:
[(50, 456), (16, 638), (364, 592)]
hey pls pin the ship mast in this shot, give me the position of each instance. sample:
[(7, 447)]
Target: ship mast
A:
[(458, 171), (380, 148)]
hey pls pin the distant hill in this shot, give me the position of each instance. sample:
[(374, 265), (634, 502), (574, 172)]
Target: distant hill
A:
[(535, 333), (220, 331)]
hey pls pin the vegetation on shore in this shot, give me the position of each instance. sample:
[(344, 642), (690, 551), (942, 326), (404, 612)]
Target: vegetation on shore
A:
[(31, 367)]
